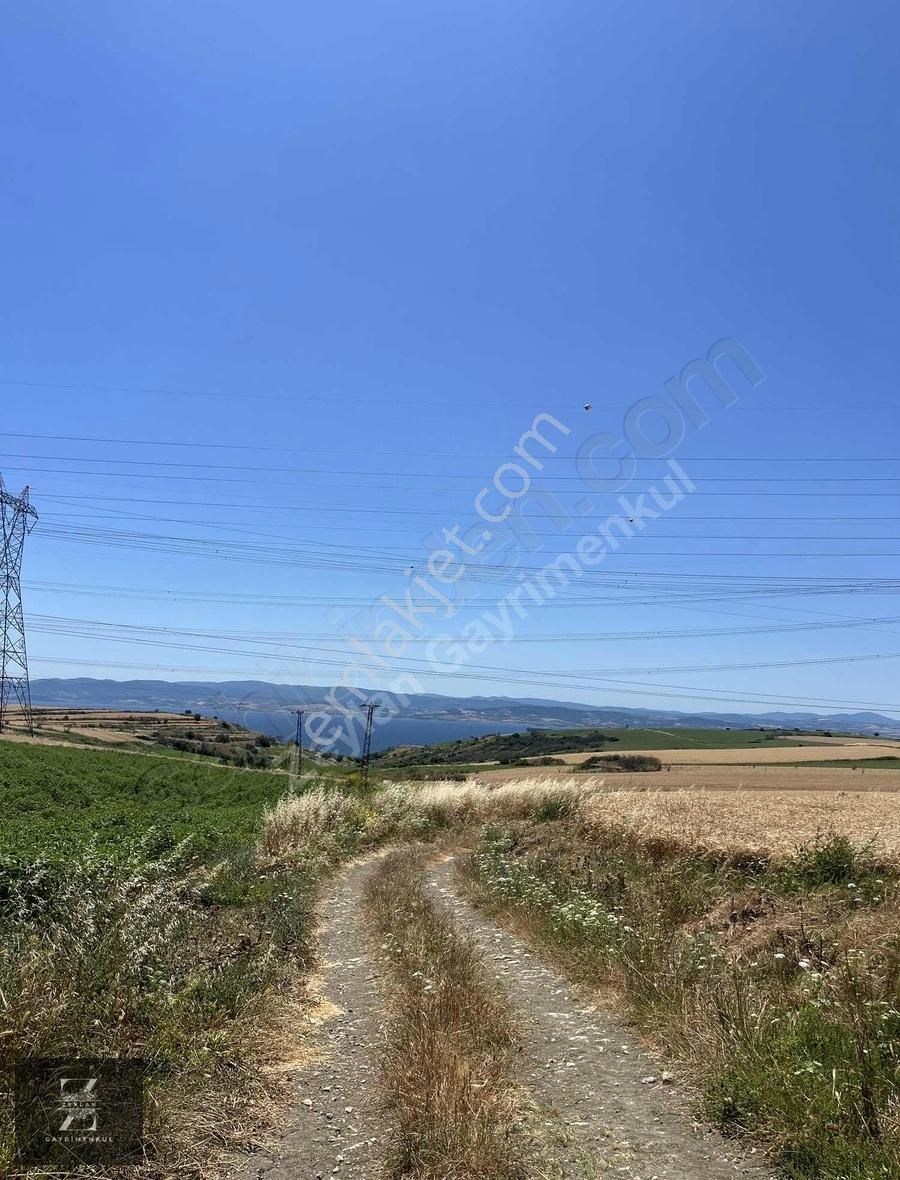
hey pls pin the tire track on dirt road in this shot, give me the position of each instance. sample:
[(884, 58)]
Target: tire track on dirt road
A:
[(336, 1128), (585, 1068)]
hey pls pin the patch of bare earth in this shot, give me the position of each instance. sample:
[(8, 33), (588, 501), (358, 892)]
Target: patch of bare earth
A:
[(613, 1110)]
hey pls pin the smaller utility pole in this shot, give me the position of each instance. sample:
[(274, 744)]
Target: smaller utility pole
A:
[(298, 742), (371, 706)]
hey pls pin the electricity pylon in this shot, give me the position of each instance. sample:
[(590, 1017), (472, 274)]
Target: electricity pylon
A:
[(367, 743), (19, 518), (297, 752)]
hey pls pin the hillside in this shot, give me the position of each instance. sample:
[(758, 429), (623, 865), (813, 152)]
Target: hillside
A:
[(175, 734), (264, 697), (535, 743)]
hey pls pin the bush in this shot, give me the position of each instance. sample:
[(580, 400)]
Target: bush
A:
[(621, 763)]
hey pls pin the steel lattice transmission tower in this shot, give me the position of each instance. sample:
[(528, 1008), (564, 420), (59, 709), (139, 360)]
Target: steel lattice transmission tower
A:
[(19, 518)]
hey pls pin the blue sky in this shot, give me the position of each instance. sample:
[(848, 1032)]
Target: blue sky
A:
[(343, 254)]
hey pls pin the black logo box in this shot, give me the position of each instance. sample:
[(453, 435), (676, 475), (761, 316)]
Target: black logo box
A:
[(79, 1110)]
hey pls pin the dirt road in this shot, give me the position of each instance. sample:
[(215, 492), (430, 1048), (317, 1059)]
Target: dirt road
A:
[(604, 1105)]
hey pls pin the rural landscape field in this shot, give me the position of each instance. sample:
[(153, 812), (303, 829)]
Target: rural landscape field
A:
[(449, 626), (555, 973)]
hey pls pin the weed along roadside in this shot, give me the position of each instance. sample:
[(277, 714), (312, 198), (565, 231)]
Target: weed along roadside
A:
[(139, 923), (771, 984), (766, 981)]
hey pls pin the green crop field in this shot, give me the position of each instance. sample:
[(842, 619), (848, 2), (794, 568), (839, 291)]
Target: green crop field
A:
[(57, 799), (703, 739)]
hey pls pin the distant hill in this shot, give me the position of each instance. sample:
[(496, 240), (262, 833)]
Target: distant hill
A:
[(209, 697), (539, 746)]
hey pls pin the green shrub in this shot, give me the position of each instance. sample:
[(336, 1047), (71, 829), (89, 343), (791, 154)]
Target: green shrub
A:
[(621, 762)]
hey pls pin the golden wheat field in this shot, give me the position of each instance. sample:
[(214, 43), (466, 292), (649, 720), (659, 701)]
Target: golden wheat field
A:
[(760, 755), (724, 778), (776, 820), (735, 817)]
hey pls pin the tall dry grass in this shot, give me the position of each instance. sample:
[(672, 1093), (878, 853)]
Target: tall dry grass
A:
[(318, 822), (325, 817)]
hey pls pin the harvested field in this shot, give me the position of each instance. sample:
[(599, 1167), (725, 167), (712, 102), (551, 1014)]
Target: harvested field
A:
[(777, 820), (802, 752), (724, 778)]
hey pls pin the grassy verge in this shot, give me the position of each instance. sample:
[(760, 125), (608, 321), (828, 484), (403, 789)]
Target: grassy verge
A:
[(186, 965), (775, 982), (451, 1040)]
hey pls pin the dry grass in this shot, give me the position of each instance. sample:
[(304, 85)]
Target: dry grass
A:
[(776, 820), (318, 818), (450, 1040), (773, 982), (737, 777), (197, 969)]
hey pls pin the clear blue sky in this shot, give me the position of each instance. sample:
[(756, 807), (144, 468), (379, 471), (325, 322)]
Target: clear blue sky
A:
[(383, 236)]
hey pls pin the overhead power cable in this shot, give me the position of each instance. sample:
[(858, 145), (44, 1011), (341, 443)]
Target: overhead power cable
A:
[(540, 477), (491, 457), (342, 398), (107, 630), (545, 481)]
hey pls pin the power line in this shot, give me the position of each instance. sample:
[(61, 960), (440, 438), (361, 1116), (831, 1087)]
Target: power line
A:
[(558, 680), (667, 535), (540, 477), (454, 455), (318, 601), (840, 624), (583, 484), (557, 533), (118, 632), (103, 498), (342, 399)]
